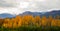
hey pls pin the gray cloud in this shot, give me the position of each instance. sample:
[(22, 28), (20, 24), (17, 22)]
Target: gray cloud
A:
[(48, 4), (34, 5), (7, 3), (44, 5)]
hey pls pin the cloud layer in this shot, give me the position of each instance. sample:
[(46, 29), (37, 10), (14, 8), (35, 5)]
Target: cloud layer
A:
[(44, 5), (29, 5), (8, 3)]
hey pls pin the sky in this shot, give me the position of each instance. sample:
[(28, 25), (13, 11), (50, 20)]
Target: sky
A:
[(20, 6)]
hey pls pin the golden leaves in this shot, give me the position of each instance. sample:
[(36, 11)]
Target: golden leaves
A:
[(28, 20)]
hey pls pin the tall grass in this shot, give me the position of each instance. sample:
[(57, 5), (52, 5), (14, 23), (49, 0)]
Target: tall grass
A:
[(24, 28)]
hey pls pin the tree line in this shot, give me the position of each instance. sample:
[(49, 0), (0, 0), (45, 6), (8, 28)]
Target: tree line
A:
[(30, 20)]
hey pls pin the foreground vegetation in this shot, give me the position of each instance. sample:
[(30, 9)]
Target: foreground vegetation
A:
[(30, 23), (30, 29)]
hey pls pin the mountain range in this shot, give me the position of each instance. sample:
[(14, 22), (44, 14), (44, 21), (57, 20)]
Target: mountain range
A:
[(52, 13), (5, 15)]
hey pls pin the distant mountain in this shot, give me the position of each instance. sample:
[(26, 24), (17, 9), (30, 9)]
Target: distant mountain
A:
[(31, 13), (52, 13), (5, 15)]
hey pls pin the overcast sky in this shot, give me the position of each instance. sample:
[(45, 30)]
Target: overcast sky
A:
[(20, 6)]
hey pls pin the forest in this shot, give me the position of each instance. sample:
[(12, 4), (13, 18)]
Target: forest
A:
[(30, 23)]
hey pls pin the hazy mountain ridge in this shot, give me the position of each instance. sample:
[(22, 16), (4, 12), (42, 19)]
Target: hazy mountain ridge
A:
[(5, 15), (31, 13), (52, 13)]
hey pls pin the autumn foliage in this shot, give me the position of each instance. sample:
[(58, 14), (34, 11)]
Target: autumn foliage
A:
[(30, 20)]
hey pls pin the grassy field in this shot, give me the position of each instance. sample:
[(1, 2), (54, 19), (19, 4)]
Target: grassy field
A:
[(30, 29)]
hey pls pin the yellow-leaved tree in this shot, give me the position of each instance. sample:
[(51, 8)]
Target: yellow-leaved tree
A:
[(37, 21)]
